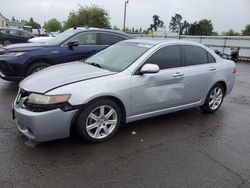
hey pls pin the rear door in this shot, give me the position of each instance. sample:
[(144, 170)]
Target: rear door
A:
[(14, 36), (88, 45), (152, 92), (200, 69), (25, 36)]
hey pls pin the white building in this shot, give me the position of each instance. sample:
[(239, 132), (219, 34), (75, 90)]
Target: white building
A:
[(15, 24), (2, 21)]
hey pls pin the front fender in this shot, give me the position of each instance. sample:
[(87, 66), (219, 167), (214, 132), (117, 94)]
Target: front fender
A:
[(86, 91)]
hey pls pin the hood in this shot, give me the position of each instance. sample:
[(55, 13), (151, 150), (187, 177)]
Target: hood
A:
[(25, 47), (56, 76)]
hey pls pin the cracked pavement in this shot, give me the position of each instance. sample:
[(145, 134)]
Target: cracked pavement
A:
[(183, 149)]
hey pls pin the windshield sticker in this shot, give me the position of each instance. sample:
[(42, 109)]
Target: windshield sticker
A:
[(145, 45)]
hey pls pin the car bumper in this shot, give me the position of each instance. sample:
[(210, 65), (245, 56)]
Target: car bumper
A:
[(43, 126), (10, 78)]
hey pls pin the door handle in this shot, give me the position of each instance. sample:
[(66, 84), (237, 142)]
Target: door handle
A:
[(212, 68), (178, 74)]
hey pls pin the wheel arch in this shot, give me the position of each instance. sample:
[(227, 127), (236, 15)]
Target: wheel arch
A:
[(36, 60), (223, 83)]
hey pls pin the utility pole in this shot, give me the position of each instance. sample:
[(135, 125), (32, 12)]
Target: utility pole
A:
[(125, 14)]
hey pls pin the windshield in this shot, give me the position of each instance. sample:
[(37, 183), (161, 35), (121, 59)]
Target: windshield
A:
[(61, 37), (119, 56)]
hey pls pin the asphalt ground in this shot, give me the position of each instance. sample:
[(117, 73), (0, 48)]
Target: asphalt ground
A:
[(183, 149)]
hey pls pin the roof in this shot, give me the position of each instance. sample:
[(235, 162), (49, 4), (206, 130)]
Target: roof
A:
[(156, 41), (100, 29)]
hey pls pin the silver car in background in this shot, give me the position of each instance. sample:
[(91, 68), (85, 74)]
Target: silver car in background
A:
[(129, 81)]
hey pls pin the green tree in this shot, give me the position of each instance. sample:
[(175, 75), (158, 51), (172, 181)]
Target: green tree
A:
[(156, 23), (246, 30), (92, 16), (116, 28), (33, 24), (231, 32), (53, 25), (175, 23), (206, 27), (184, 27), (203, 27)]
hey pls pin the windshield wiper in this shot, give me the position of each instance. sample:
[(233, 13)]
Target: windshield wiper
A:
[(94, 64)]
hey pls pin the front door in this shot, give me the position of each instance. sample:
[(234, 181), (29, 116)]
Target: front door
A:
[(152, 92), (87, 46)]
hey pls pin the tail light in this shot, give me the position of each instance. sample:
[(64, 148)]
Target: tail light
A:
[(234, 71)]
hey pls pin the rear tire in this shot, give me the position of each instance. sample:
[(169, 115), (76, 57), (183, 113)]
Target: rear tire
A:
[(214, 99), (99, 121), (36, 68)]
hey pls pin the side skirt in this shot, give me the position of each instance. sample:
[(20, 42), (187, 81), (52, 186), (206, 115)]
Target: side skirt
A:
[(163, 111)]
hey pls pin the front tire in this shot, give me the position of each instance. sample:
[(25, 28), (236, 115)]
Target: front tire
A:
[(214, 99), (6, 43), (99, 121), (36, 67)]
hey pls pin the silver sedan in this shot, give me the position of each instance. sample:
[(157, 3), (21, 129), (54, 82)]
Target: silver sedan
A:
[(129, 81)]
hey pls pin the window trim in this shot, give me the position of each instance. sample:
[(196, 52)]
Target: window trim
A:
[(137, 69)]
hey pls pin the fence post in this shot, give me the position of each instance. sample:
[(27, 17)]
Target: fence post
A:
[(224, 45)]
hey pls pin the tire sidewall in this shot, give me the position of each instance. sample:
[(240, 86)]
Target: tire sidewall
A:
[(82, 118)]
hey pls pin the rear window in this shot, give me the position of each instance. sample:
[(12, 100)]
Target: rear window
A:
[(109, 39), (211, 58)]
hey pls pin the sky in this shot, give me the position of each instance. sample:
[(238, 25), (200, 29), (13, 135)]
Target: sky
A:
[(225, 14)]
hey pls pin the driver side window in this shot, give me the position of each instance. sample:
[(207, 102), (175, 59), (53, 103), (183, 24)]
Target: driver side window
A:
[(166, 57), (85, 39)]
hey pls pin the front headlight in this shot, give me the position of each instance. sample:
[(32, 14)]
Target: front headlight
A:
[(47, 99)]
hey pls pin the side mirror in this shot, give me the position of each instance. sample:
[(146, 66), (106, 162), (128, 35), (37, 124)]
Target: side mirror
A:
[(150, 69), (72, 44)]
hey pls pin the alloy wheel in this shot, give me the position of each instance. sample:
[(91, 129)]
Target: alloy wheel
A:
[(215, 98), (101, 122)]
